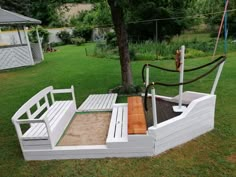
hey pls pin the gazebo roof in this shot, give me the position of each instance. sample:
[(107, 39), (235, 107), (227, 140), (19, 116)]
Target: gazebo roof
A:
[(11, 18)]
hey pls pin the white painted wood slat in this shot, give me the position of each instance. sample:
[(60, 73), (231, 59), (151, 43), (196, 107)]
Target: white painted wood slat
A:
[(104, 104), (98, 102), (118, 125), (111, 132)]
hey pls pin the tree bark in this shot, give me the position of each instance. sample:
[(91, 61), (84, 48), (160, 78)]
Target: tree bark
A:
[(122, 40)]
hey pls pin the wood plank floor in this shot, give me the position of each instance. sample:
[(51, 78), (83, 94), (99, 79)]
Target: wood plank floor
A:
[(136, 117)]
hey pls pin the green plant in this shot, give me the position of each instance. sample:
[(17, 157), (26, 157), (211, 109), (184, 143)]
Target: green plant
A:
[(132, 54), (111, 39), (56, 44), (65, 36), (83, 31), (43, 33), (78, 40), (214, 152)]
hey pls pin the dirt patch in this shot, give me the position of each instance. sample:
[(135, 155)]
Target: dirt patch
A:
[(232, 158), (87, 129)]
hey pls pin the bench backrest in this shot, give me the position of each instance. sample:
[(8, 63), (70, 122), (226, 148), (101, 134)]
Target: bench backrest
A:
[(35, 100)]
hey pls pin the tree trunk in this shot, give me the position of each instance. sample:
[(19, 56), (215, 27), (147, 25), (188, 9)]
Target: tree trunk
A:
[(122, 40)]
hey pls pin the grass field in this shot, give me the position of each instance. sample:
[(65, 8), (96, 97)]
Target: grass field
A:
[(213, 154)]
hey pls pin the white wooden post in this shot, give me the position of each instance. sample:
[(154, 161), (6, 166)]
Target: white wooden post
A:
[(40, 43), (29, 115), (147, 76), (217, 78), (154, 108), (73, 94), (19, 133), (49, 132), (46, 101), (28, 44), (52, 97), (180, 107)]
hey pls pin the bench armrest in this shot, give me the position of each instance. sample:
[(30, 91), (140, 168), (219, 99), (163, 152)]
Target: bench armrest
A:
[(29, 121)]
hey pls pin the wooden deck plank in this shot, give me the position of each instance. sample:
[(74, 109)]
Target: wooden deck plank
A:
[(125, 122), (91, 103), (98, 102), (105, 101), (106, 104), (109, 102), (118, 123), (111, 132), (136, 117), (85, 103), (101, 102)]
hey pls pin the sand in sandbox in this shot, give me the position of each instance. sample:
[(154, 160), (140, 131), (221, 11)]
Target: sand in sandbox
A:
[(87, 129)]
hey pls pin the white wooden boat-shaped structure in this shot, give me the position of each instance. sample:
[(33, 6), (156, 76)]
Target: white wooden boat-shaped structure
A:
[(129, 134), (40, 140)]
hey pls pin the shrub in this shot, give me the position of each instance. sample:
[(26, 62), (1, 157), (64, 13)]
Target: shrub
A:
[(132, 54), (78, 40), (83, 31), (65, 36), (191, 53), (43, 33), (56, 44), (111, 39)]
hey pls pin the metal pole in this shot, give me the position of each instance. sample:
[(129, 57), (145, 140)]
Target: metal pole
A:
[(217, 78), (154, 107), (147, 76), (40, 43)]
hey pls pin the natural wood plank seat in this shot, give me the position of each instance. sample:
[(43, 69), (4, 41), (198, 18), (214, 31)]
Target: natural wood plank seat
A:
[(118, 125), (136, 117), (47, 122)]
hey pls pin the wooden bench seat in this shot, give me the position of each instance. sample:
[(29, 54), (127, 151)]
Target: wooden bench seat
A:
[(118, 124), (54, 115), (48, 122), (136, 117)]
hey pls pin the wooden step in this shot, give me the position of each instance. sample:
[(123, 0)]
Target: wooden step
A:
[(136, 117)]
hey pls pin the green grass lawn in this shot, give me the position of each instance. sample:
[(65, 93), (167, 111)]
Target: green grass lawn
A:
[(213, 154)]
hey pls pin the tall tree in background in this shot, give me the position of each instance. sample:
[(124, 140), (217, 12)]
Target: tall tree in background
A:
[(44, 10), (117, 13), (19, 6)]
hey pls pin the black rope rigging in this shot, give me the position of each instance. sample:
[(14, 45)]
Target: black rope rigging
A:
[(220, 59), (186, 70)]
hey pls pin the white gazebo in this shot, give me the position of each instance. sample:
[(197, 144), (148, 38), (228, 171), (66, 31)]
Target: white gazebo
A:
[(22, 52)]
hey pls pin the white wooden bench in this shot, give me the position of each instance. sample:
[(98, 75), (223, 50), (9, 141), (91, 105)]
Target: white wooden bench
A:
[(118, 129), (48, 122)]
